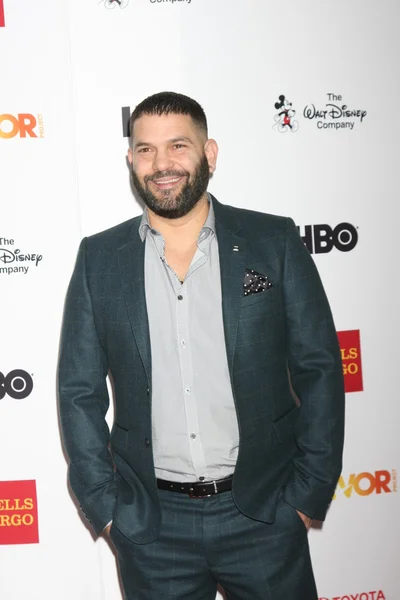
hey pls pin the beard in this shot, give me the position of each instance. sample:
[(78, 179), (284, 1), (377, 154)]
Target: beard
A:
[(171, 205)]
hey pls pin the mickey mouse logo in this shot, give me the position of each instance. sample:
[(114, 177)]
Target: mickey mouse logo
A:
[(284, 120), (114, 3)]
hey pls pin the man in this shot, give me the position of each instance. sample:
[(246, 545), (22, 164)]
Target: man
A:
[(211, 320)]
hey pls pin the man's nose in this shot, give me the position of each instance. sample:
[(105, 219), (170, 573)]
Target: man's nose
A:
[(162, 161)]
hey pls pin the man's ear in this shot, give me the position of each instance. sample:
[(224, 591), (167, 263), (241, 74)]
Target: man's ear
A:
[(130, 155), (211, 152)]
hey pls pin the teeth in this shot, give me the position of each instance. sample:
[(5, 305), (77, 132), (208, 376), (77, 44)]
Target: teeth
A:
[(162, 181)]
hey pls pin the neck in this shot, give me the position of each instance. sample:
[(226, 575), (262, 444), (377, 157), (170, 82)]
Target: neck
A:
[(185, 228)]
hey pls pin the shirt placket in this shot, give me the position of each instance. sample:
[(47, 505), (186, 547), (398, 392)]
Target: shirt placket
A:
[(182, 311), (188, 392), (182, 304)]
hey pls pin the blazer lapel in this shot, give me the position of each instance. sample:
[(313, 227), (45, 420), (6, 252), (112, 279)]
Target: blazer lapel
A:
[(232, 258), (131, 267)]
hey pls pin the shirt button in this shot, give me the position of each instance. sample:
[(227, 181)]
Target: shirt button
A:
[(193, 436), (183, 343), (201, 478), (153, 231), (188, 390), (180, 297), (146, 442)]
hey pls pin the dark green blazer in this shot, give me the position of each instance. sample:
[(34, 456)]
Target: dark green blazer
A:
[(277, 341)]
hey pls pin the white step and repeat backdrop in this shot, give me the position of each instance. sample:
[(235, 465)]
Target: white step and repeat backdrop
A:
[(295, 95)]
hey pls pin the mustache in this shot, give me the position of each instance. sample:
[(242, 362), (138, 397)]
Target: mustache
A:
[(169, 173)]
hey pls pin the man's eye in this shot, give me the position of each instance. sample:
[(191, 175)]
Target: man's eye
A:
[(179, 146), (144, 150)]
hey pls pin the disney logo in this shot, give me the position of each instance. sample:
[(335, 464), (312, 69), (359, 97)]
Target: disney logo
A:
[(7, 257), (333, 111)]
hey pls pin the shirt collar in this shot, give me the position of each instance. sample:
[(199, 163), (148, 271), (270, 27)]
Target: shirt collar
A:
[(144, 226), (208, 227)]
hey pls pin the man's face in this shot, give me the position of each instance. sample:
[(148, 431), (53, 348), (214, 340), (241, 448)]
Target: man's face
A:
[(171, 163)]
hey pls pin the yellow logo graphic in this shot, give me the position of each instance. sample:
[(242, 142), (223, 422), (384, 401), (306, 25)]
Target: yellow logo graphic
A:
[(22, 125), (365, 483)]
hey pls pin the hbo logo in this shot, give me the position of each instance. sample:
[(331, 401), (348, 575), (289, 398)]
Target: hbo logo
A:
[(320, 239), (18, 384)]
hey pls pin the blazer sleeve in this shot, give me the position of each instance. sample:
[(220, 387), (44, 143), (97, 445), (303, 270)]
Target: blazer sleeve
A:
[(316, 374), (84, 401)]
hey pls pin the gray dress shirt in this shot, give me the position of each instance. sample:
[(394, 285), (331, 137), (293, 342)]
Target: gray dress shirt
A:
[(194, 424)]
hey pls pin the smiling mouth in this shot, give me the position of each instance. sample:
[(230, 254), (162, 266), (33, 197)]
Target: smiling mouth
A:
[(164, 183)]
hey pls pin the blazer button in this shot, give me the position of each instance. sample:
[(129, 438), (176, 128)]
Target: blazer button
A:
[(146, 442), (148, 391)]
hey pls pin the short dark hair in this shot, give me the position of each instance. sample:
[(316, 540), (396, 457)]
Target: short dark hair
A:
[(166, 103)]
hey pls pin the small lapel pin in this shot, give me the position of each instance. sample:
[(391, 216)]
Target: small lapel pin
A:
[(235, 248)]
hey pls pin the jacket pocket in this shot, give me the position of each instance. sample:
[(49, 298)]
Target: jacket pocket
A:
[(266, 296)]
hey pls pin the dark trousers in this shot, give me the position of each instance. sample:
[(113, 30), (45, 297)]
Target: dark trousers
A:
[(208, 541)]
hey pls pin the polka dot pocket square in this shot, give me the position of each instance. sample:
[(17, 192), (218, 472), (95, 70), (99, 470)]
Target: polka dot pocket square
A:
[(254, 282)]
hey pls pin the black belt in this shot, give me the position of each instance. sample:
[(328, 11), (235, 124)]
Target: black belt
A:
[(197, 489)]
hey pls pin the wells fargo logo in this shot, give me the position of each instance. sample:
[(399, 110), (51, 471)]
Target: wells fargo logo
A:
[(374, 595), (365, 484), (350, 348), (2, 23), (22, 125), (18, 512)]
